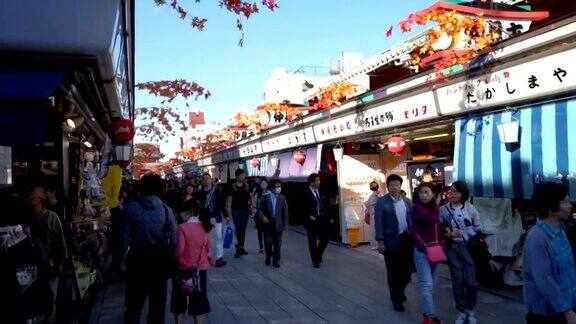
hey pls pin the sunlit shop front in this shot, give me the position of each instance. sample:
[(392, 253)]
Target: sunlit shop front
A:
[(65, 126)]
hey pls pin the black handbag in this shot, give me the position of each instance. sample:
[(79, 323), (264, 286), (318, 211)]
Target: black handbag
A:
[(476, 246)]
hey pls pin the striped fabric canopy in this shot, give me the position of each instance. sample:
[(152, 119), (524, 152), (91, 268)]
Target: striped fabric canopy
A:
[(546, 151)]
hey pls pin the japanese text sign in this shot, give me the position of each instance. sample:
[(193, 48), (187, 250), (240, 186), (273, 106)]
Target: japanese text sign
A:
[(537, 78)]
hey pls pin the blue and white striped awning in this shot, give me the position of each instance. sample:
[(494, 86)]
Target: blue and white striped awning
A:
[(546, 151)]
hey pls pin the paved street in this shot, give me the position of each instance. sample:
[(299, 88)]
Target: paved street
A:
[(349, 288)]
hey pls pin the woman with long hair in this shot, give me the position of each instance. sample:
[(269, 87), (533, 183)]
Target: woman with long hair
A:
[(189, 192), (460, 224), (260, 191), (192, 253), (425, 232)]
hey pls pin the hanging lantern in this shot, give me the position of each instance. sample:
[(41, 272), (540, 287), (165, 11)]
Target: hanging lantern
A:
[(396, 145), (255, 163), (300, 157), (121, 130), (123, 155), (509, 132), (338, 151), (274, 161)]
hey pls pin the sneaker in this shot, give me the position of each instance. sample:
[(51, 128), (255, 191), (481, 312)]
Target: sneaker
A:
[(471, 317), (461, 318), (276, 265), (220, 263), (242, 251)]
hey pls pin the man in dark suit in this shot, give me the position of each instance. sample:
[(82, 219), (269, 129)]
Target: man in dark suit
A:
[(273, 213), (391, 224), (316, 220)]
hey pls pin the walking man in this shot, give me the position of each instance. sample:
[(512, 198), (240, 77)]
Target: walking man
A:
[(316, 221), (212, 200), (273, 213), (150, 230), (391, 226), (238, 206)]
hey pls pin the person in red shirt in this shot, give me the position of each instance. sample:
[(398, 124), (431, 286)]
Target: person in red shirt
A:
[(192, 252)]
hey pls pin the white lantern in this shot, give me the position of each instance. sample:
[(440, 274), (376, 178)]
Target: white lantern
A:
[(123, 152), (509, 132), (274, 161), (338, 151)]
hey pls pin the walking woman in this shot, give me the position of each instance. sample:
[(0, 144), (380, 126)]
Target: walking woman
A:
[(425, 232), (460, 223), (370, 205), (192, 252), (258, 194), (549, 269)]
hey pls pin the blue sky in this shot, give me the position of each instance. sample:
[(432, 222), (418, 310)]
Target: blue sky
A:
[(300, 32)]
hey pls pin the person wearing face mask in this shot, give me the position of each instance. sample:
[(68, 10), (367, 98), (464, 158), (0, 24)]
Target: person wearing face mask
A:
[(549, 268), (273, 213), (369, 205), (425, 232), (258, 193)]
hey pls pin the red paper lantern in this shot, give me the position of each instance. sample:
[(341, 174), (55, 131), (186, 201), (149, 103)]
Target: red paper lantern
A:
[(121, 130), (396, 144), (300, 157), (255, 163)]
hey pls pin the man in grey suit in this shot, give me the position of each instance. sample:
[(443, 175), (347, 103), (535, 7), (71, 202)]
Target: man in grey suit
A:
[(391, 223), (273, 212)]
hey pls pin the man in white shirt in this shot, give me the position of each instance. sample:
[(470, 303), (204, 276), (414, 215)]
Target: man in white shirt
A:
[(391, 224)]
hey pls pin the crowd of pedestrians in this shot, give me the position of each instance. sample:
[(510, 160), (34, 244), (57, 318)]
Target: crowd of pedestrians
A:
[(419, 235), (186, 235)]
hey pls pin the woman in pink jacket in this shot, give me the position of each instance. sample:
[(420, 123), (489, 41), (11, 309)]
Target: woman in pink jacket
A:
[(192, 252)]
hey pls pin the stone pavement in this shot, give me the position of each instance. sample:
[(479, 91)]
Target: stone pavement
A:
[(350, 287)]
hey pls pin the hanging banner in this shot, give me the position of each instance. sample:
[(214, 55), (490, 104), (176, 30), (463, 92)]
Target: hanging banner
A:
[(337, 128), (111, 185), (400, 112), (296, 138), (534, 79)]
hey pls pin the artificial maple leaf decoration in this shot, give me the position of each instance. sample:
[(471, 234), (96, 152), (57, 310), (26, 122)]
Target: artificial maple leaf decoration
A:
[(389, 31)]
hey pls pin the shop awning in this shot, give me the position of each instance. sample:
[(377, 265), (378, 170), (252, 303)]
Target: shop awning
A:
[(546, 151), (30, 85), (310, 164), (259, 167), (279, 166)]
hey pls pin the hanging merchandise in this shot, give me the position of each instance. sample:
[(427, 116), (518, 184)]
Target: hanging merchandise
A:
[(111, 184), (396, 145), (105, 159), (300, 157), (121, 130)]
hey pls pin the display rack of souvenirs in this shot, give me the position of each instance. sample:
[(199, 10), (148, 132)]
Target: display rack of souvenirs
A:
[(90, 225)]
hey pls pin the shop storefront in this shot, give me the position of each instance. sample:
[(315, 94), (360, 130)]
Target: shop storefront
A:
[(62, 129)]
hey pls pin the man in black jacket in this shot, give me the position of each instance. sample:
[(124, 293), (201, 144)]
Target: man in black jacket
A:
[(316, 220)]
